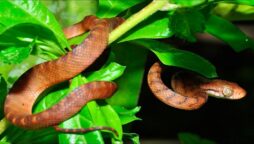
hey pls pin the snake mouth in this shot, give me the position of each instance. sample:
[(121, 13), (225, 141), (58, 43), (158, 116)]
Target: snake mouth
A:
[(214, 93)]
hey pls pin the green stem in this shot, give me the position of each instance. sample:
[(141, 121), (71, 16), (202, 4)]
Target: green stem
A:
[(135, 19), (4, 124)]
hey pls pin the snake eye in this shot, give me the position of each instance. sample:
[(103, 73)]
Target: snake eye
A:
[(227, 92)]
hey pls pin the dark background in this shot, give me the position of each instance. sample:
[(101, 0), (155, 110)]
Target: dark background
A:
[(223, 121)]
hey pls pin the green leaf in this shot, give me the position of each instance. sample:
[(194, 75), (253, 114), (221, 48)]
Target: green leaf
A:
[(40, 38), (234, 12), (111, 8), (41, 136), (68, 12), (186, 24), (133, 137), (126, 115), (77, 81), (79, 121), (155, 26), (133, 57), (229, 33), (3, 93), (244, 2), (12, 72), (171, 56), (15, 12), (14, 55), (5, 143), (188, 3), (189, 138), (19, 135), (107, 73), (104, 115), (50, 100)]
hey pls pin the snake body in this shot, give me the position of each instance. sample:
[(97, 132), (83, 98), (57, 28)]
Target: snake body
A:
[(189, 94), (21, 98), (190, 91)]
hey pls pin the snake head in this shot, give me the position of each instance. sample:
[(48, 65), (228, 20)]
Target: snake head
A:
[(224, 89)]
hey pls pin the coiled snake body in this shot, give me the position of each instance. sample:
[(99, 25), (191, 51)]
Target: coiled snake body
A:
[(24, 93), (190, 90), (21, 98)]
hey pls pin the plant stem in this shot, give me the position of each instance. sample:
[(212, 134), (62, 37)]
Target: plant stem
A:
[(135, 19), (4, 124)]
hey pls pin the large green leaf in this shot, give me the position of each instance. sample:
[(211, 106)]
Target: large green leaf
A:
[(156, 26), (229, 33), (15, 12), (134, 58), (105, 115), (186, 24), (234, 12), (107, 73), (171, 56), (41, 39), (111, 8), (244, 2), (36, 137), (126, 115), (50, 99)]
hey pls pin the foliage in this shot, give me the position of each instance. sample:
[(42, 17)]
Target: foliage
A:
[(189, 138), (30, 34)]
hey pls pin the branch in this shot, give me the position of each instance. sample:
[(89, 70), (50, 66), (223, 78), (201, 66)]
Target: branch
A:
[(135, 19)]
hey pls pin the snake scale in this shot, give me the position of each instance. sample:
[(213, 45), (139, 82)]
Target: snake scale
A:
[(24, 93)]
